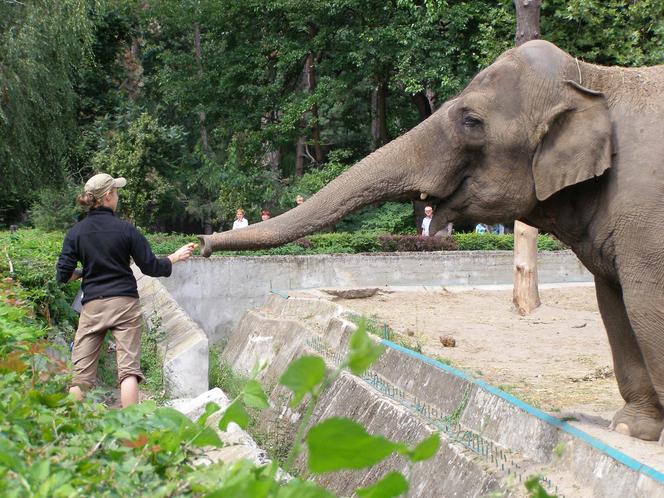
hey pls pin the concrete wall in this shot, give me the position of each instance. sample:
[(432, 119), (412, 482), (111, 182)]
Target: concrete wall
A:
[(182, 344), (215, 292)]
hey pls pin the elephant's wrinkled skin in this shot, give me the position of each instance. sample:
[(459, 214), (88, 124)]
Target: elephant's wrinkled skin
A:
[(572, 148)]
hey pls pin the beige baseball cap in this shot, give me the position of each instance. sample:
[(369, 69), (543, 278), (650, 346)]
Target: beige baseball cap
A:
[(99, 184)]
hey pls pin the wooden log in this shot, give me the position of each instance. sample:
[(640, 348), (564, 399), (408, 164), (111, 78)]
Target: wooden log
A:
[(526, 293)]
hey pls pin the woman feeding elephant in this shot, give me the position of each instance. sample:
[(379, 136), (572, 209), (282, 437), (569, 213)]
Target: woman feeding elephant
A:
[(104, 244), (572, 148)]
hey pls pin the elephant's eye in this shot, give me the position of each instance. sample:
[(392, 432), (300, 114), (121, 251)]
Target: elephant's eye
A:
[(470, 121)]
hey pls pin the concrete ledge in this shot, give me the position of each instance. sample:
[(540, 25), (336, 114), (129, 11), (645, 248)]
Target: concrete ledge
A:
[(260, 336), (183, 346)]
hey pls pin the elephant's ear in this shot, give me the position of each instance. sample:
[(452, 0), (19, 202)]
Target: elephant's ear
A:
[(576, 143)]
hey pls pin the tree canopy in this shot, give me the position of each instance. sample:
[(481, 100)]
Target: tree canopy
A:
[(207, 105)]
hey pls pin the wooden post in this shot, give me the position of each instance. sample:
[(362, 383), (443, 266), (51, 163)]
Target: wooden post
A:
[(526, 293)]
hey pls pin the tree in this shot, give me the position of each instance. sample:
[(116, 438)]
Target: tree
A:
[(43, 47)]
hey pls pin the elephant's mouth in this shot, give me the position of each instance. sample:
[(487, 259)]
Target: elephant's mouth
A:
[(454, 201), (417, 195)]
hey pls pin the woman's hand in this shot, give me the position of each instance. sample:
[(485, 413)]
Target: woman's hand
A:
[(183, 253), (76, 274)]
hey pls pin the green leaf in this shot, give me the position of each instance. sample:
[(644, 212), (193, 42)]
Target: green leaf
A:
[(363, 351), (339, 443), (142, 408), (253, 395), (297, 488), (207, 437), (535, 488), (210, 408), (40, 471), (426, 449), (393, 484), (174, 417), (302, 376), (234, 413)]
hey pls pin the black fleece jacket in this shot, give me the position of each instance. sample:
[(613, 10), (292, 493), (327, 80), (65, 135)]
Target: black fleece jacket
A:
[(104, 244)]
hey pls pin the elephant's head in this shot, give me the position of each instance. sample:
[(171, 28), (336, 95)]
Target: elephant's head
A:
[(522, 130)]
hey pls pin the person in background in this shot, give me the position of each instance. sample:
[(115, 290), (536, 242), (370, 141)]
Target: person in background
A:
[(265, 215), (428, 216), (299, 200), (240, 220), (104, 245), (498, 229), (481, 228)]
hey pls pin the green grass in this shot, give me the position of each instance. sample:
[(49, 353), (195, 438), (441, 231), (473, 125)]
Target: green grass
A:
[(221, 375)]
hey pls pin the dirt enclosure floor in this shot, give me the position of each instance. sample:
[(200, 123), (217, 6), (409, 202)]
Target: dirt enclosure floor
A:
[(557, 358)]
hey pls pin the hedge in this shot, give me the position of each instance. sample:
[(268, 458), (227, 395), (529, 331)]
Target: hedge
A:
[(361, 242)]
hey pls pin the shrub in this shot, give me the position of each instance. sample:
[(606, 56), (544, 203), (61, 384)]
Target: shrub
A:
[(359, 242), (408, 243), (343, 242), (549, 243), (32, 255), (391, 217), (167, 243), (55, 208), (484, 242)]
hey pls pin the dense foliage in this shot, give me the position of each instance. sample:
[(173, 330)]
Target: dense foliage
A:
[(28, 257), (45, 47), (207, 105), (52, 446)]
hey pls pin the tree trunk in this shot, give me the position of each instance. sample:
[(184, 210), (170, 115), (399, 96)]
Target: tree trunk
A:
[(527, 20), (201, 114), (431, 97), (299, 157), (423, 105), (310, 81), (271, 159), (526, 293), (379, 116), (132, 64)]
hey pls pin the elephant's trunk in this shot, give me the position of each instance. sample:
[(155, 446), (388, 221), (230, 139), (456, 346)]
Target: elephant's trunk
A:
[(392, 171)]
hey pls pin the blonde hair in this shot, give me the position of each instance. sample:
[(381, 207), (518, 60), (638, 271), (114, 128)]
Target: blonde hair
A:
[(88, 200), (239, 210)]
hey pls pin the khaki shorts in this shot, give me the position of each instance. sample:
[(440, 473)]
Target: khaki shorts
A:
[(123, 316)]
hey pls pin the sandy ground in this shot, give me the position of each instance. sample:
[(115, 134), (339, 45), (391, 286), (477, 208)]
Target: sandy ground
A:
[(557, 358)]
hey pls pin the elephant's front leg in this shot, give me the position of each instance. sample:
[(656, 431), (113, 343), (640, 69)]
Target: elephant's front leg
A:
[(642, 416)]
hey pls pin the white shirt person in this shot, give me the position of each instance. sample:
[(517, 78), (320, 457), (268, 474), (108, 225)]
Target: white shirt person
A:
[(428, 211), (240, 220)]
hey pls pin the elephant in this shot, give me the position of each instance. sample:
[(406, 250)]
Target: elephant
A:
[(572, 148)]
